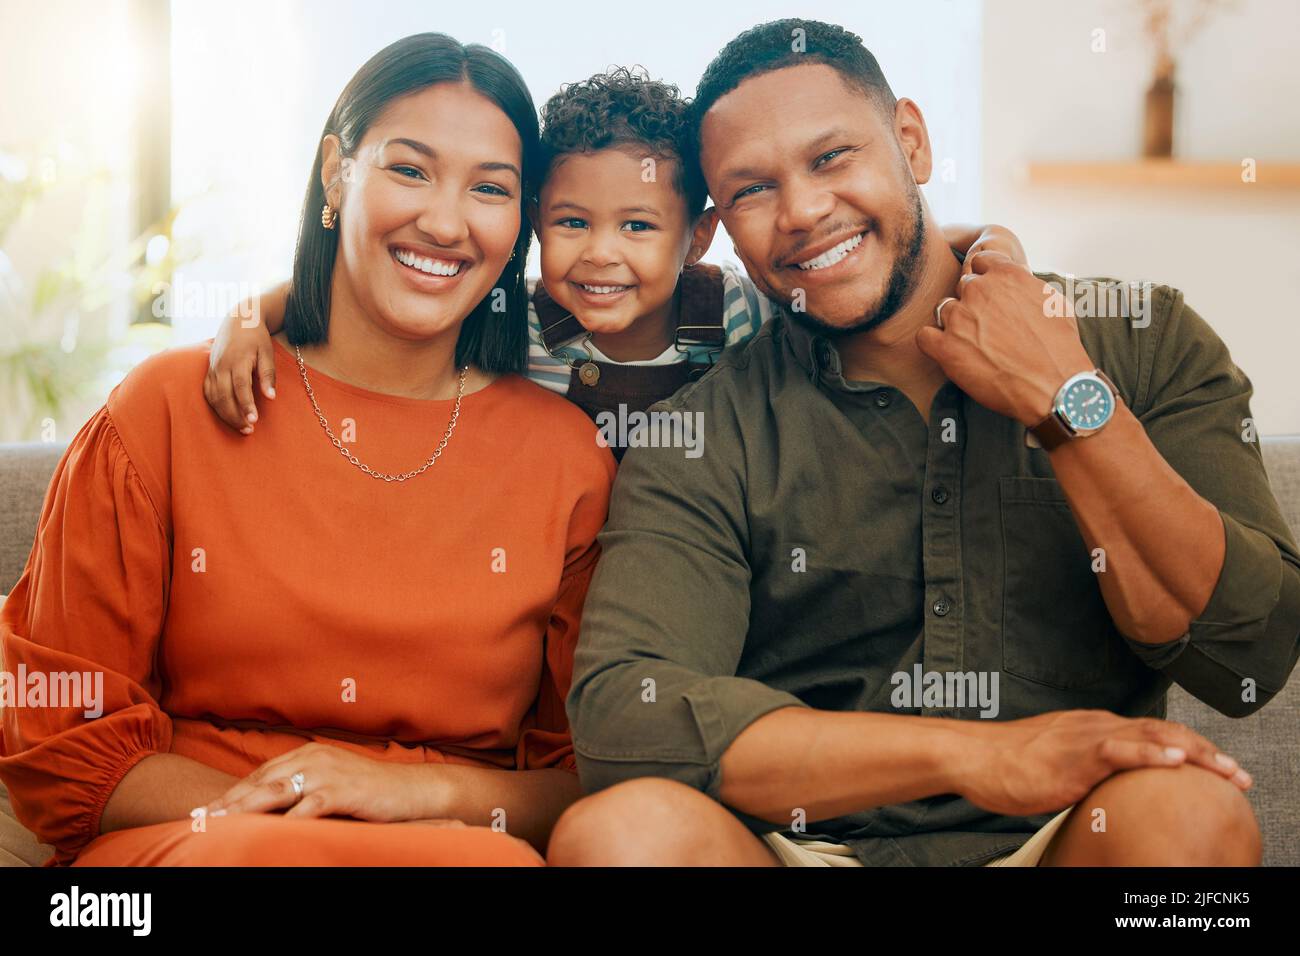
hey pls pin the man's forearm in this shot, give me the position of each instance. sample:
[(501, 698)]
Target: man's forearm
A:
[(1163, 543), (831, 764), (162, 787)]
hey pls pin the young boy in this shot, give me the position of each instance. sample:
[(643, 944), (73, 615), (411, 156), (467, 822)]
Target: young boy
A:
[(624, 313)]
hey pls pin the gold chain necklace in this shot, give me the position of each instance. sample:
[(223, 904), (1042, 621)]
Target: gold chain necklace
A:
[(437, 453)]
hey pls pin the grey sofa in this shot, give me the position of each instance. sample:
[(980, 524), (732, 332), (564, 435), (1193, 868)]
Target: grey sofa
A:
[(1267, 743)]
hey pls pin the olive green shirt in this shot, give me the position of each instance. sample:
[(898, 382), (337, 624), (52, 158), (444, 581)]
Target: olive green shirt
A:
[(829, 538)]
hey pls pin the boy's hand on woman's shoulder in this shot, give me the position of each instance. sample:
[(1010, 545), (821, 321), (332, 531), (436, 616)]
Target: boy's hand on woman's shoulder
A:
[(239, 352)]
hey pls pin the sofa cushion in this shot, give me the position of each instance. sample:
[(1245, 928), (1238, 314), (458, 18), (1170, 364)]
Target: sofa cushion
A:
[(17, 845), (25, 472), (1265, 744)]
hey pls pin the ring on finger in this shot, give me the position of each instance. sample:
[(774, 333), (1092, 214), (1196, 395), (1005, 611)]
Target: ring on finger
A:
[(299, 782), (938, 310)]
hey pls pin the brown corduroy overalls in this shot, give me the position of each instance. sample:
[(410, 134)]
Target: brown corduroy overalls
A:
[(596, 386)]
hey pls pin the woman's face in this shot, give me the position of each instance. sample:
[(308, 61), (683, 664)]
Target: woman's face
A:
[(429, 209)]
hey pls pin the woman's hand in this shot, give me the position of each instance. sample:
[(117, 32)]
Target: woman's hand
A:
[(440, 822), (969, 240), (335, 782), (242, 348)]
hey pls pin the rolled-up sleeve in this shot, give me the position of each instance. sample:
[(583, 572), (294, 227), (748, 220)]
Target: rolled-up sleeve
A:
[(87, 612), (1240, 650), (655, 691)]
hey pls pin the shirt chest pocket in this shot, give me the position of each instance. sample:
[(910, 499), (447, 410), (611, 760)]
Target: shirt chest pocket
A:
[(1055, 627)]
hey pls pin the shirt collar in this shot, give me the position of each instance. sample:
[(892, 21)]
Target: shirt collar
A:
[(802, 342), (816, 354)]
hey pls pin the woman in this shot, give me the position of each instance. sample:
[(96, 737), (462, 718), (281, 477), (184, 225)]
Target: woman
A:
[(389, 642)]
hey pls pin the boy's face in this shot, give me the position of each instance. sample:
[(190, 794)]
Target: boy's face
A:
[(818, 191), (614, 234)]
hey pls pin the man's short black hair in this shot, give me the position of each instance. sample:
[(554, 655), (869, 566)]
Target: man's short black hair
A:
[(782, 43), (624, 107)]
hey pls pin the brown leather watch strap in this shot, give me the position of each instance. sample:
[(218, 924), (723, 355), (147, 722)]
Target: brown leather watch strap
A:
[(1051, 432)]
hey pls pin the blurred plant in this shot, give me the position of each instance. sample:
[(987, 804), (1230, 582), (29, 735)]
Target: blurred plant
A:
[(1169, 27), (52, 352), (1169, 32)]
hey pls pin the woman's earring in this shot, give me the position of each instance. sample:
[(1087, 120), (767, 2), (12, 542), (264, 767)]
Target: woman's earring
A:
[(328, 216)]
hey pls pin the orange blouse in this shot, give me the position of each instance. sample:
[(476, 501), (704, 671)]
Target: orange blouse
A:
[(243, 596)]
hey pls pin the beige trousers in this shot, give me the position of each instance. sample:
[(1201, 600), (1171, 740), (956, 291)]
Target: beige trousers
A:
[(796, 851)]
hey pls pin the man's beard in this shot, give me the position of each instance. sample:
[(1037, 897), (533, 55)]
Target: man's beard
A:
[(903, 275)]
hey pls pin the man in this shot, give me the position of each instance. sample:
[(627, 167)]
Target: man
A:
[(887, 502)]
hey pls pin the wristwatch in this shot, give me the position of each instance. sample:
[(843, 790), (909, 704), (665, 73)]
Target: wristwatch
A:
[(1082, 407)]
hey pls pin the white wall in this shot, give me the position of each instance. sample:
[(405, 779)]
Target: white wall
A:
[(1235, 252)]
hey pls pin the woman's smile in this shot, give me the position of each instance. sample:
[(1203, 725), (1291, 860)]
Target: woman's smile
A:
[(427, 272)]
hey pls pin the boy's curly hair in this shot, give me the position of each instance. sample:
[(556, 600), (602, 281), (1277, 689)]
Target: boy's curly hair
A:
[(625, 107)]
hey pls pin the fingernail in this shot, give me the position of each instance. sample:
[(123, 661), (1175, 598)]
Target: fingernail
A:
[(1175, 753), (217, 813), (252, 416), (1241, 778), (1224, 760), (245, 430), (270, 391)]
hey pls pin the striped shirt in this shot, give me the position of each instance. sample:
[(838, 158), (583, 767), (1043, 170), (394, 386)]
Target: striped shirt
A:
[(744, 310)]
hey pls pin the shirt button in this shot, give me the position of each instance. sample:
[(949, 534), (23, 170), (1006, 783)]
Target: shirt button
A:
[(941, 608), (882, 399), (939, 495)]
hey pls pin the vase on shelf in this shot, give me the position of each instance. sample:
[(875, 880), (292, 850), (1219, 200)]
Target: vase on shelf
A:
[(1158, 124)]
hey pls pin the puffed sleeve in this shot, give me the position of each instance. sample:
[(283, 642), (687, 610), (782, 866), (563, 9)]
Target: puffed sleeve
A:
[(83, 622), (547, 741)]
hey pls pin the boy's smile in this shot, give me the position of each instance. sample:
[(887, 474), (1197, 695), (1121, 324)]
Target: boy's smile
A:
[(601, 295)]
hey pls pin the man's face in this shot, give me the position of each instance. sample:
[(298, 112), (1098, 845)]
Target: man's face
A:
[(809, 178)]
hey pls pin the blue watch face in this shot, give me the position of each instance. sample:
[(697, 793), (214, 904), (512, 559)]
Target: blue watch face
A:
[(1087, 404)]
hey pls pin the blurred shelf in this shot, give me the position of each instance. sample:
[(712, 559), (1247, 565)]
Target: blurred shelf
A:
[(1163, 172)]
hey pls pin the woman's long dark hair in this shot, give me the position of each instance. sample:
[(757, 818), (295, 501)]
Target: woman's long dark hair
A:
[(494, 341)]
